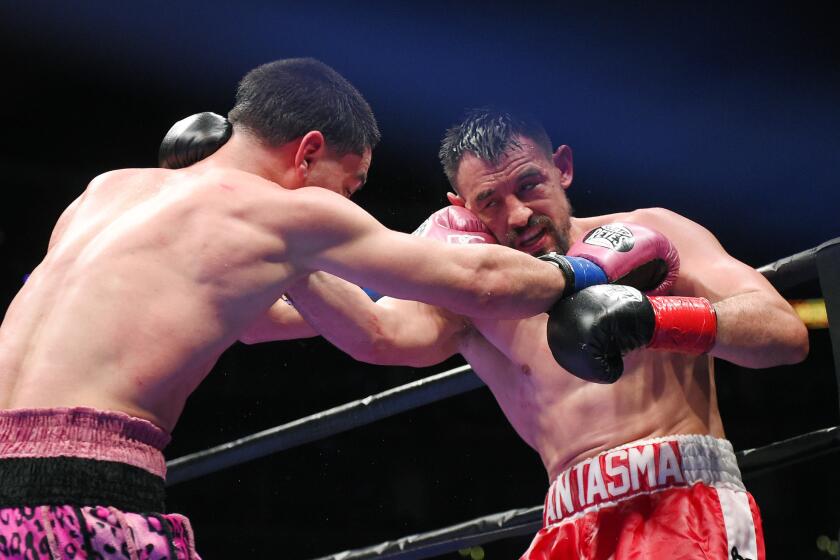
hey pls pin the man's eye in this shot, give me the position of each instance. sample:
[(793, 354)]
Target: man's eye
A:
[(490, 204), (528, 186)]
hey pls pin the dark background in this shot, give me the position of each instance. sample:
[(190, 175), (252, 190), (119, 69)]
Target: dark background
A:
[(729, 116)]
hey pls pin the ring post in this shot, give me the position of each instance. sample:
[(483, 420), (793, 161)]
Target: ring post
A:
[(828, 268)]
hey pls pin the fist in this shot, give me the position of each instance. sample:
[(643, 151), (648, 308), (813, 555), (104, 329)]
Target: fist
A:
[(631, 255), (590, 331), (455, 225), (192, 139)]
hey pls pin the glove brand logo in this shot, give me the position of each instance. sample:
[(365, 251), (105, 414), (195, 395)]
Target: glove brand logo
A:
[(617, 292), (463, 239), (611, 236)]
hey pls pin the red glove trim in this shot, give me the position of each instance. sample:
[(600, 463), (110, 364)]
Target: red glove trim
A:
[(683, 324)]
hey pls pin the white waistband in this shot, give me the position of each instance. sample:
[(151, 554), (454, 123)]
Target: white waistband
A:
[(641, 467)]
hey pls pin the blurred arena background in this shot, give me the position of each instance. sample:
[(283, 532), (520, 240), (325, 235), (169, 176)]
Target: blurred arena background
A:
[(727, 114)]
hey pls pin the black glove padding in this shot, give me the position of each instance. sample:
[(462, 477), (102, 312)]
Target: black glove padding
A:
[(588, 332), (192, 139)]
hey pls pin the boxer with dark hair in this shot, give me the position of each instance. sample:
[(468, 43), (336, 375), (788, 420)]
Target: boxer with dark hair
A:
[(285, 99), (152, 273), (614, 388)]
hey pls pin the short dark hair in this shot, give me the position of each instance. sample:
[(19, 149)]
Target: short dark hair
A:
[(487, 133), (283, 100)]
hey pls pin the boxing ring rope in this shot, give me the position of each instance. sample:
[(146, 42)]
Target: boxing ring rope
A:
[(323, 424), (822, 262), (512, 523), (527, 521)]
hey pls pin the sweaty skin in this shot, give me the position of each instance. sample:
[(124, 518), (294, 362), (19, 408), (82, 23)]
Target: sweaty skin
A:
[(564, 418), (151, 274)]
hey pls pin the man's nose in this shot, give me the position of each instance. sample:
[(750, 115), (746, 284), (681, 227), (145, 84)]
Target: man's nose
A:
[(518, 213)]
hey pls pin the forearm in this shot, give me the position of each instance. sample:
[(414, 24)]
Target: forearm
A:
[(343, 314), (472, 280), (501, 283), (325, 232), (756, 327), (390, 333), (758, 330)]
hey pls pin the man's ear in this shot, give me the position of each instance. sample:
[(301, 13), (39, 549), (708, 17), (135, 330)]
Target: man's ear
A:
[(456, 200), (312, 146), (562, 159)]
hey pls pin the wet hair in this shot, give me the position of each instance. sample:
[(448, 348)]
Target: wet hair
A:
[(487, 133), (283, 100)]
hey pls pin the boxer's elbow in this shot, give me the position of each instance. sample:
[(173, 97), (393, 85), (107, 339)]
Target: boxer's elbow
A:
[(757, 331), (265, 331), (396, 345), (254, 335), (796, 344), (379, 351), (786, 344), (373, 342), (249, 339), (791, 338)]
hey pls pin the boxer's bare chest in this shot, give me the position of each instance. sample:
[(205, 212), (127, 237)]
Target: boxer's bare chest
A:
[(565, 418)]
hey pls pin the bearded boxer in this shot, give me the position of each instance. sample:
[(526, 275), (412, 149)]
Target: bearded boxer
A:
[(615, 388), (151, 273)]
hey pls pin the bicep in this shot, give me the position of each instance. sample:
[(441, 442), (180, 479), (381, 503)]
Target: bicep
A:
[(756, 327), (327, 232), (63, 221)]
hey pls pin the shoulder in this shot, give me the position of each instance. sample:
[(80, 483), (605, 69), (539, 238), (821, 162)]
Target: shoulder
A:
[(238, 193), (656, 215), (229, 180), (116, 177), (667, 222), (241, 184), (688, 236), (660, 219)]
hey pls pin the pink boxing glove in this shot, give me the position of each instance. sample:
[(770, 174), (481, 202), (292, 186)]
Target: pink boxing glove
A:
[(631, 255), (455, 225)]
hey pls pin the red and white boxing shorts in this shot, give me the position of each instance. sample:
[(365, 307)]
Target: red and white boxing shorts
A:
[(673, 497)]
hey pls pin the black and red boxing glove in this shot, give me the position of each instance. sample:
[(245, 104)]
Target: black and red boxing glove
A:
[(192, 139), (590, 331), (455, 225), (619, 253)]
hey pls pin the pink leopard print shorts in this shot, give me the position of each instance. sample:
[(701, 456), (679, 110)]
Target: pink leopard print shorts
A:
[(77, 483), (93, 532)]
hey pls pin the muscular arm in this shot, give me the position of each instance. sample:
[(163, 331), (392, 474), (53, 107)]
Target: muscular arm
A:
[(63, 221), (757, 328), (388, 332), (324, 231)]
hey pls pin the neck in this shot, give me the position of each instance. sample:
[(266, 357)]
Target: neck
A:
[(246, 153)]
